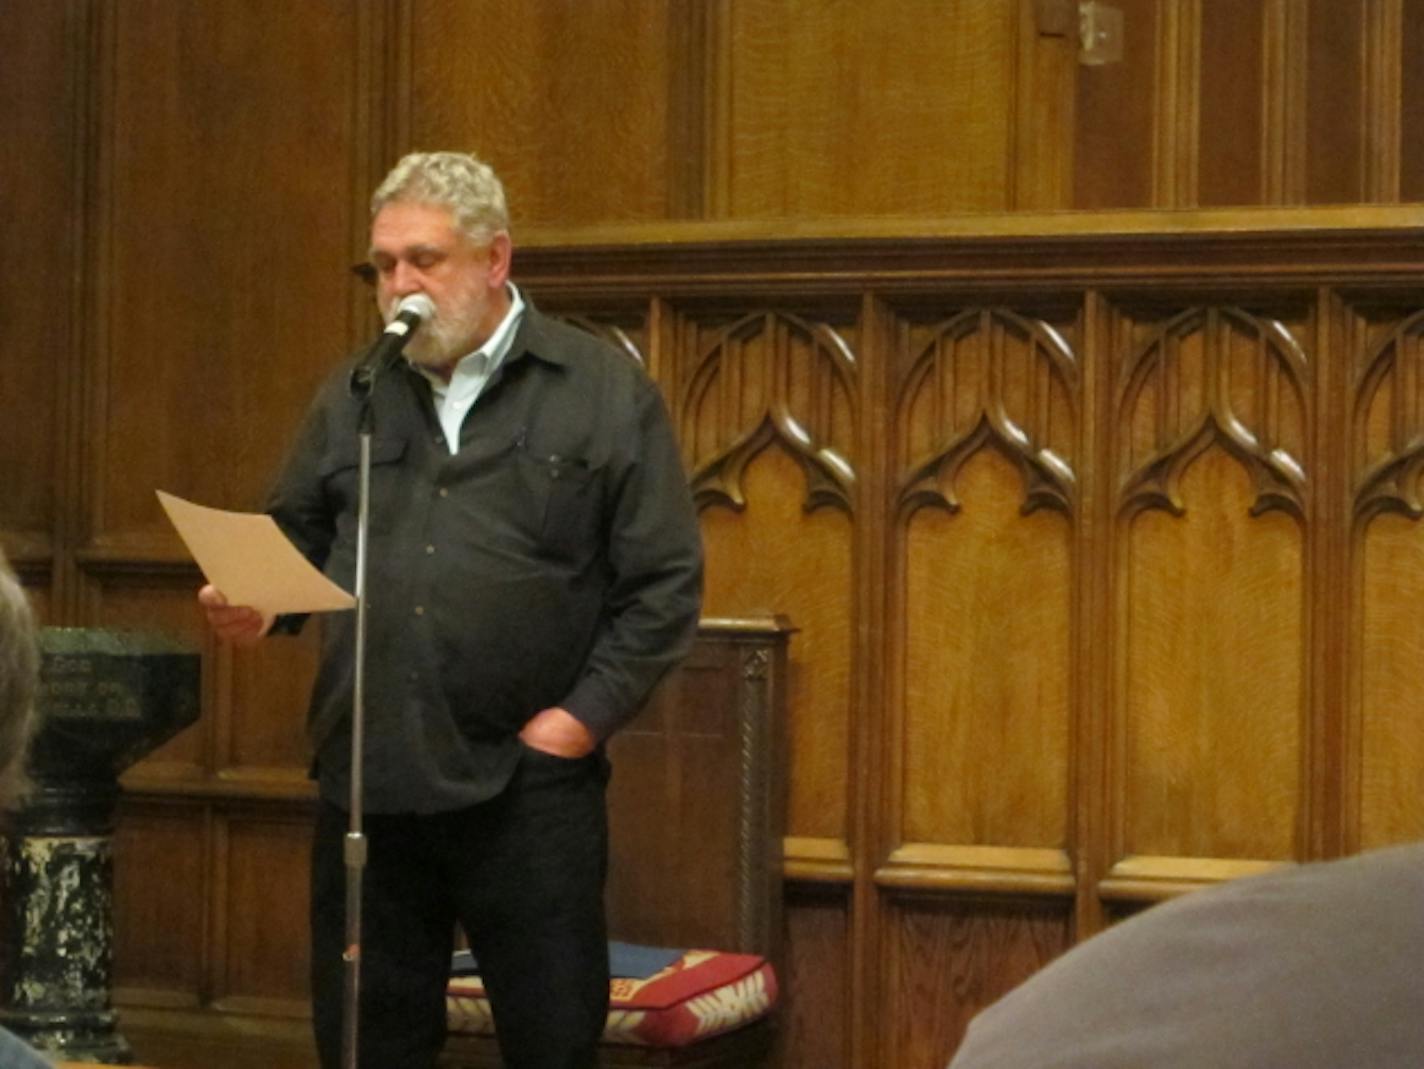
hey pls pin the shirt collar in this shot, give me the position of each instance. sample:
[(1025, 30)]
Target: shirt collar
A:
[(533, 339)]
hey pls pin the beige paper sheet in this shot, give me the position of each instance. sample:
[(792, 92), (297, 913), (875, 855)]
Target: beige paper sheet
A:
[(246, 556)]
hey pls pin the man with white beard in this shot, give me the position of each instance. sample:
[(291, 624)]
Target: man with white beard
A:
[(535, 567)]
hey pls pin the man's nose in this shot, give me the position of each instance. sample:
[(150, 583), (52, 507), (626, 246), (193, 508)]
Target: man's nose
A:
[(405, 280)]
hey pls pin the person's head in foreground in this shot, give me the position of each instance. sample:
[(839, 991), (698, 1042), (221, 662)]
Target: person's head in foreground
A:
[(19, 677), (19, 674), (1320, 966)]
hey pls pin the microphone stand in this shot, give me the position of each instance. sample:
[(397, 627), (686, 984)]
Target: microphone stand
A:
[(354, 845), (411, 311)]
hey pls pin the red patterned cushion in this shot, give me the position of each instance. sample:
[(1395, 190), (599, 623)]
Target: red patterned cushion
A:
[(704, 993)]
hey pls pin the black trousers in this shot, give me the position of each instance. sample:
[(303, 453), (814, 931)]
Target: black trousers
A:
[(523, 874)]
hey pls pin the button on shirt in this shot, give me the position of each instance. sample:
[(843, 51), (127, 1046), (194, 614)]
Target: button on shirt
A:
[(453, 400)]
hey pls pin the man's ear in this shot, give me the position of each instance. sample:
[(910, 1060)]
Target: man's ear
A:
[(501, 253)]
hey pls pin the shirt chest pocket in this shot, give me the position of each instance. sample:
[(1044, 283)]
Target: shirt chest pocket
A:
[(340, 470), (567, 497)]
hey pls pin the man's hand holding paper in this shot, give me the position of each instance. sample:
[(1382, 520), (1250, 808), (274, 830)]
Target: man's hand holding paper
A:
[(254, 573), (241, 625)]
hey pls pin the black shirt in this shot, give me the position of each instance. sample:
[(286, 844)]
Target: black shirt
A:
[(553, 560)]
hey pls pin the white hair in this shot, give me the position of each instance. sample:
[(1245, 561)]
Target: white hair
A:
[(454, 180), (19, 678)]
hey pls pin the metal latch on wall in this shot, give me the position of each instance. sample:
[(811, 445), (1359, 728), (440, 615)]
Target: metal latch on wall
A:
[(1097, 26)]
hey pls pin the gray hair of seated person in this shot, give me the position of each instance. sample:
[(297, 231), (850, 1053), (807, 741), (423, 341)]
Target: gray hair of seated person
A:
[(467, 186), (19, 678)]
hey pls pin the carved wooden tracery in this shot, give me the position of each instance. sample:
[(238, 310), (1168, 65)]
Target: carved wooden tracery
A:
[(986, 336), (1390, 480), (798, 415), (1179, 437), (612, 333)]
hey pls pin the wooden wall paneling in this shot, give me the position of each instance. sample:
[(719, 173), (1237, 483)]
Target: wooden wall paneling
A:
[(696, 83), (570, 103), (1115, 113), (1212, 416), (223, 300), (219, 278), (984, 429), (262, 950), (1391, 746), (818, 1009), (870, 839), (1092, 656), (683, 764), (161, 948), (379, 94), (820, 678), (948, 959), (768, 417), (1270, 393), (670, 338), (176, 1039), (1328, 578), (42, 95), (1380, 103), (1176, 147), (263, 737), (660, 744), (768, 403), (1334, 102), (1234, 106), (1284, 45), (162, 602), (207, 259), (1045, 79), (855, 109), (1411, 114), (1385, 744), (985, 425), (35, 91), (41, 603), (85, 484)]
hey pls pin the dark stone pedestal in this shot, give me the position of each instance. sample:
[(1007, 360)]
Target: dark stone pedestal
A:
[(106, 699)]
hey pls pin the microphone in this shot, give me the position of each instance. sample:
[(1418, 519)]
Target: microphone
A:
[(413, 310)]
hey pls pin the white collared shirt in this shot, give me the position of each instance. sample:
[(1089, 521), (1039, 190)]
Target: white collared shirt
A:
[(453, 400)]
